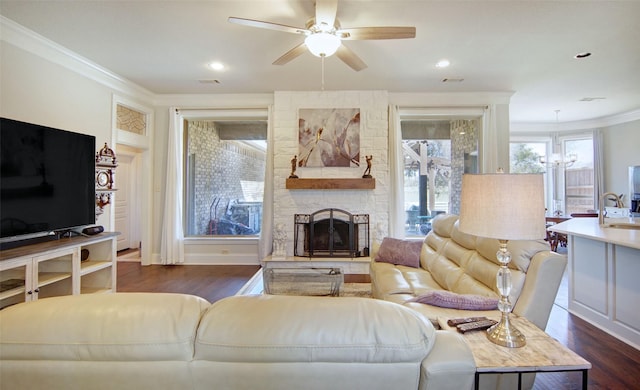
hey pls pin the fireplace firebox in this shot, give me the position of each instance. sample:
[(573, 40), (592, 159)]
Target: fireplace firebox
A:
[(331, 233)]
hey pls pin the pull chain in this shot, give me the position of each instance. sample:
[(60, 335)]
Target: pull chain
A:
[(322, 87)]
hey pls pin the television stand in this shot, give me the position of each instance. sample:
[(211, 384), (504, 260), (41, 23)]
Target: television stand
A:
[(55, 267)]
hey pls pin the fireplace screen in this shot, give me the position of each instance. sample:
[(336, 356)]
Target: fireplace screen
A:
[(331, 233)]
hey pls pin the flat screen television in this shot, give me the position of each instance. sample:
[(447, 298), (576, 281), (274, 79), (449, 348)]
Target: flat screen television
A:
[(47, 182)]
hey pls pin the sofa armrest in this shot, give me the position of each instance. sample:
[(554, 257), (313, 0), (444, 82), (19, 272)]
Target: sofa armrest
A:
[(541, 287), (449, 365)]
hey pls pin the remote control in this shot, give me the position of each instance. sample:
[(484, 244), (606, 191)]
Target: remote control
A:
[(459, 321), (480, 325)]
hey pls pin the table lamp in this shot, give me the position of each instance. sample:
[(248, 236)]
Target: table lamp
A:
[(505, 207)]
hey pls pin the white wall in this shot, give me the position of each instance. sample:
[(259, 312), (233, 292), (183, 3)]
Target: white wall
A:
[(37, 91), (621, 150), (44, 83)]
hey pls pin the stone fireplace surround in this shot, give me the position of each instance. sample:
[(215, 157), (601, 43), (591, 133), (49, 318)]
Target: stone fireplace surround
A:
[(373, 141)]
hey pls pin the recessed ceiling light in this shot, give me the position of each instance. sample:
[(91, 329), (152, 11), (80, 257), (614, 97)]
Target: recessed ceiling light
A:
[(213, 81), (216, 66), (582, 55), (443, 64), (452, 80)]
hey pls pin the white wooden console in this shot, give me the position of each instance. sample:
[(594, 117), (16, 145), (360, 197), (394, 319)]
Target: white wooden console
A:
[(55, 268)]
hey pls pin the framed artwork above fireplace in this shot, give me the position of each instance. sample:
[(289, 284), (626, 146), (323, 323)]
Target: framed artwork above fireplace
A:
[(329, 137)]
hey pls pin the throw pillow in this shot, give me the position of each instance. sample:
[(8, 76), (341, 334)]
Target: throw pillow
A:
[(448, 299), (400, 252)]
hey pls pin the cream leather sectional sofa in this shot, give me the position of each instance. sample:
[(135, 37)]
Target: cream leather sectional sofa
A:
[(464, 264), (173, 341), (467, 265)]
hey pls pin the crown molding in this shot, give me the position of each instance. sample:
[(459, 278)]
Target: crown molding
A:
[(530, 127), (228, 100), (34, 43), (450, 99)]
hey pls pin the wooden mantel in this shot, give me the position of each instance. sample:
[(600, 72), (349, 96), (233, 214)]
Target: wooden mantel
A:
[(331, 184)]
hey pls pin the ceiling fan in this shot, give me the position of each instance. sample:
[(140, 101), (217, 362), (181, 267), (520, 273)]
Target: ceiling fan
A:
[(324, 35)]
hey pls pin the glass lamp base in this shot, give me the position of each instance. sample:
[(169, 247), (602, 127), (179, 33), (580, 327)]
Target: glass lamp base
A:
[(505, 334)]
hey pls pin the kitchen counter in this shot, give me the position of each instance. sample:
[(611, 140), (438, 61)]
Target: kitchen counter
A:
[(604, 276), (589, 228)]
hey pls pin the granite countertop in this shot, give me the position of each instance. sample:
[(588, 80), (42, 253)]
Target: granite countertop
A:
[(590, 228)]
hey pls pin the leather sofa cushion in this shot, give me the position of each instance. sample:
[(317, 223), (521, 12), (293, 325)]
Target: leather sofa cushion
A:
[(272, 328), (521, 251), (444, 224), (102, 327)]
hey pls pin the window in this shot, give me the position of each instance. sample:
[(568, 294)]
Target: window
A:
[(224, 177), (579, 178), (524, 157), (427, 173)]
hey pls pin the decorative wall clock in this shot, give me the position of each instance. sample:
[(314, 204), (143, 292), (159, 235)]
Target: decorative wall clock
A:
[(106, 164)]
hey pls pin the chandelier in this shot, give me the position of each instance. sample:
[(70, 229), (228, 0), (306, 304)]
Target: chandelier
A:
[(556, 160)]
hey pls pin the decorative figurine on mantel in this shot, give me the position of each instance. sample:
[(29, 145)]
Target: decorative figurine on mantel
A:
[(367, 172), (279, 242), (294, 163)]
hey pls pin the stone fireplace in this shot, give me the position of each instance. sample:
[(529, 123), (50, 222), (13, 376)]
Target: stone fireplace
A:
[(331, 233), (288, 202)]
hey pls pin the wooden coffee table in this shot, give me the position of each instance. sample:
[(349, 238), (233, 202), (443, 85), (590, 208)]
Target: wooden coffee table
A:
[(542, 353)]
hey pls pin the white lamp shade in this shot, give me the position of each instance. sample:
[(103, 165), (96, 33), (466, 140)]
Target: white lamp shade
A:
[(322, 44), (503, 206)]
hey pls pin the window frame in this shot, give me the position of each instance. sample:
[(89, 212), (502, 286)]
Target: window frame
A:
[(227, 115), (562, 140), (548, 178)]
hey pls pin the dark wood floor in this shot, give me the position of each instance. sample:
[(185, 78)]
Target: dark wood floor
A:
[(616, 365), (209, 282)]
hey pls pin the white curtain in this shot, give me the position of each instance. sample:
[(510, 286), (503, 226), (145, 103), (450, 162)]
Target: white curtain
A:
[(172, 243), (490, 163), (598, 167), (266, 231), (396, 175)]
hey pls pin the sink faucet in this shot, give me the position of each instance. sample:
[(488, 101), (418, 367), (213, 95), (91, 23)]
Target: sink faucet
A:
[(601, 205)]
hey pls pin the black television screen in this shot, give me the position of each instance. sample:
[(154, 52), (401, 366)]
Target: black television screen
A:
[(47, 180)]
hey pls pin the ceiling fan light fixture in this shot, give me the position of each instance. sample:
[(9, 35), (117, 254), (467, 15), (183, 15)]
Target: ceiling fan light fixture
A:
[(322, 44), (444, 63), (216, 66)]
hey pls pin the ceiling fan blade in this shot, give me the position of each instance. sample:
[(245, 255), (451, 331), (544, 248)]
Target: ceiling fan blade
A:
[(350, 58), (291, 54), (363, 33), (326, 11), (267, 25)]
